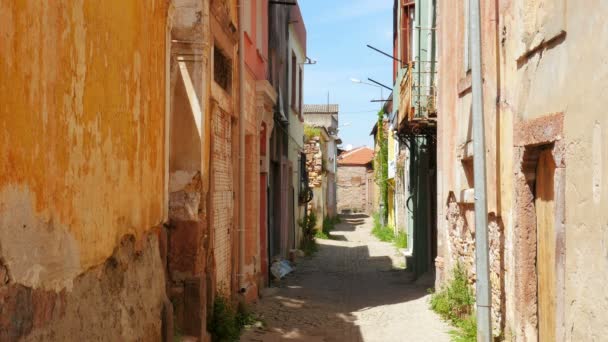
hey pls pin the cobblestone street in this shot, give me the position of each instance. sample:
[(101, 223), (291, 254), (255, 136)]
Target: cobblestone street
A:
[(353, 289)]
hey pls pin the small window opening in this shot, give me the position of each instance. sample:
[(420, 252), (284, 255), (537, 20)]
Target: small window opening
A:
[(222, 69)]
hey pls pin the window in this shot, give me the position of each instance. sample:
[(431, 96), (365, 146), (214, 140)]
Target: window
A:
[(222, 69), (293, 80), (407, 32)]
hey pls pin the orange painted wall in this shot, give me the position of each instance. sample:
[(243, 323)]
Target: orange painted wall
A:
[(255, 58), (82, 96)]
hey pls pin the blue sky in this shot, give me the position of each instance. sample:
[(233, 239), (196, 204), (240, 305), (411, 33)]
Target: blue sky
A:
[(337, 34)]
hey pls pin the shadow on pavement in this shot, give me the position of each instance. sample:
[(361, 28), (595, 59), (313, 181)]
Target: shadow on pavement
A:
[(319, 300)]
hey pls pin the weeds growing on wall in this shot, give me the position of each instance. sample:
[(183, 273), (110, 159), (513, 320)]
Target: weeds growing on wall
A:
[(381, 164), (454, 303), (227, 320), (308, 224), (311, 132)]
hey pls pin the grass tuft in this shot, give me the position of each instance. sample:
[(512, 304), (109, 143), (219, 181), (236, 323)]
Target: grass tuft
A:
[(228, 320), (310, 132), (400, 240), (455, 303), (329, 223), (383, 233)]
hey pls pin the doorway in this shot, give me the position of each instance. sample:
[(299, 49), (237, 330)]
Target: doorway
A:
[(545, 252)]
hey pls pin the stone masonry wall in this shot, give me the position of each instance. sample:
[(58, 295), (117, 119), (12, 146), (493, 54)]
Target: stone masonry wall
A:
[(314, 162), (352, 188), (461, 241)]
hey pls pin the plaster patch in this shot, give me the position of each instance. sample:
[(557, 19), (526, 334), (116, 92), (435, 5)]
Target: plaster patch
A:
[(39, 252), (179, 179), (597, 162)]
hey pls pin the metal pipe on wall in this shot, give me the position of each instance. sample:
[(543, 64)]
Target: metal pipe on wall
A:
[(241, 47), (483, 294)]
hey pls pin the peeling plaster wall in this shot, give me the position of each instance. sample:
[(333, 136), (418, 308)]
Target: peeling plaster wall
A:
[(544, 59), (559, 69), (118, 300), (82, 132)]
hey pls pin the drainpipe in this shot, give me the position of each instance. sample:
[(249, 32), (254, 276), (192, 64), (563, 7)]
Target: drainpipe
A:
[(483, 295), (241, 274)]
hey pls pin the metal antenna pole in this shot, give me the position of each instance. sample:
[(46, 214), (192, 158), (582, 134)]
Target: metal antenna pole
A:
[(484, 295)]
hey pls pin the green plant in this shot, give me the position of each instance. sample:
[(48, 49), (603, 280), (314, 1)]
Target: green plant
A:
[(454, 302), (311, 132), (401, 239), (244, 316), (383, 233), (228, 320), (308, 224), (223, 324), (381, 163), (322, 235), (467, 330)]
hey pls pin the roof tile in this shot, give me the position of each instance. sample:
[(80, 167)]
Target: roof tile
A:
[(358, 156), (321, 109)]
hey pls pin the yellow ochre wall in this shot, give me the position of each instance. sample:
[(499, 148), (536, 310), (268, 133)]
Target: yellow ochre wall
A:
[(82, 110)]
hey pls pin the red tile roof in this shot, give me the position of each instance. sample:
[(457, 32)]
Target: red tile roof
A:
[(358, 156)]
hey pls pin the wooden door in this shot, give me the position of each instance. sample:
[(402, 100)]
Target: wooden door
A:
[(545, 254)]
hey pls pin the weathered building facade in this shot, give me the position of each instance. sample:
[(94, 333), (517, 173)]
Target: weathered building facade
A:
[(129, 164), (297, 61), (544, 129), (82, 176), (354, 181), (414, 120), (322, 153)]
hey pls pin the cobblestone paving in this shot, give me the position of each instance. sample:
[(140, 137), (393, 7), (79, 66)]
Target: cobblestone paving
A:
[(351, 290)]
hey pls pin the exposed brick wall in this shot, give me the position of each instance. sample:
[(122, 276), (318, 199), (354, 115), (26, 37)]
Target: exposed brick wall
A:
[(222, 198), (351, 181)]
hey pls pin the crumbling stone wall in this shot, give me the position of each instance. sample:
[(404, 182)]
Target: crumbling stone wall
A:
[(118, 300), (461, 245), (314, 162)]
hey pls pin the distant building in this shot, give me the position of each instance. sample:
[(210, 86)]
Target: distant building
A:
[(355, 181), (325, 118)]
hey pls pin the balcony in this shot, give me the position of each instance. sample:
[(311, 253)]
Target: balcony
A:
[(417, 97)]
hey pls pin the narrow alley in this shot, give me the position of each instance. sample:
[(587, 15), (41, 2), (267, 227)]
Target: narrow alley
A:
[(352, 289)]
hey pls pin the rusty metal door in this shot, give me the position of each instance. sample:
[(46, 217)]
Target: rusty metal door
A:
[(545, 254)]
